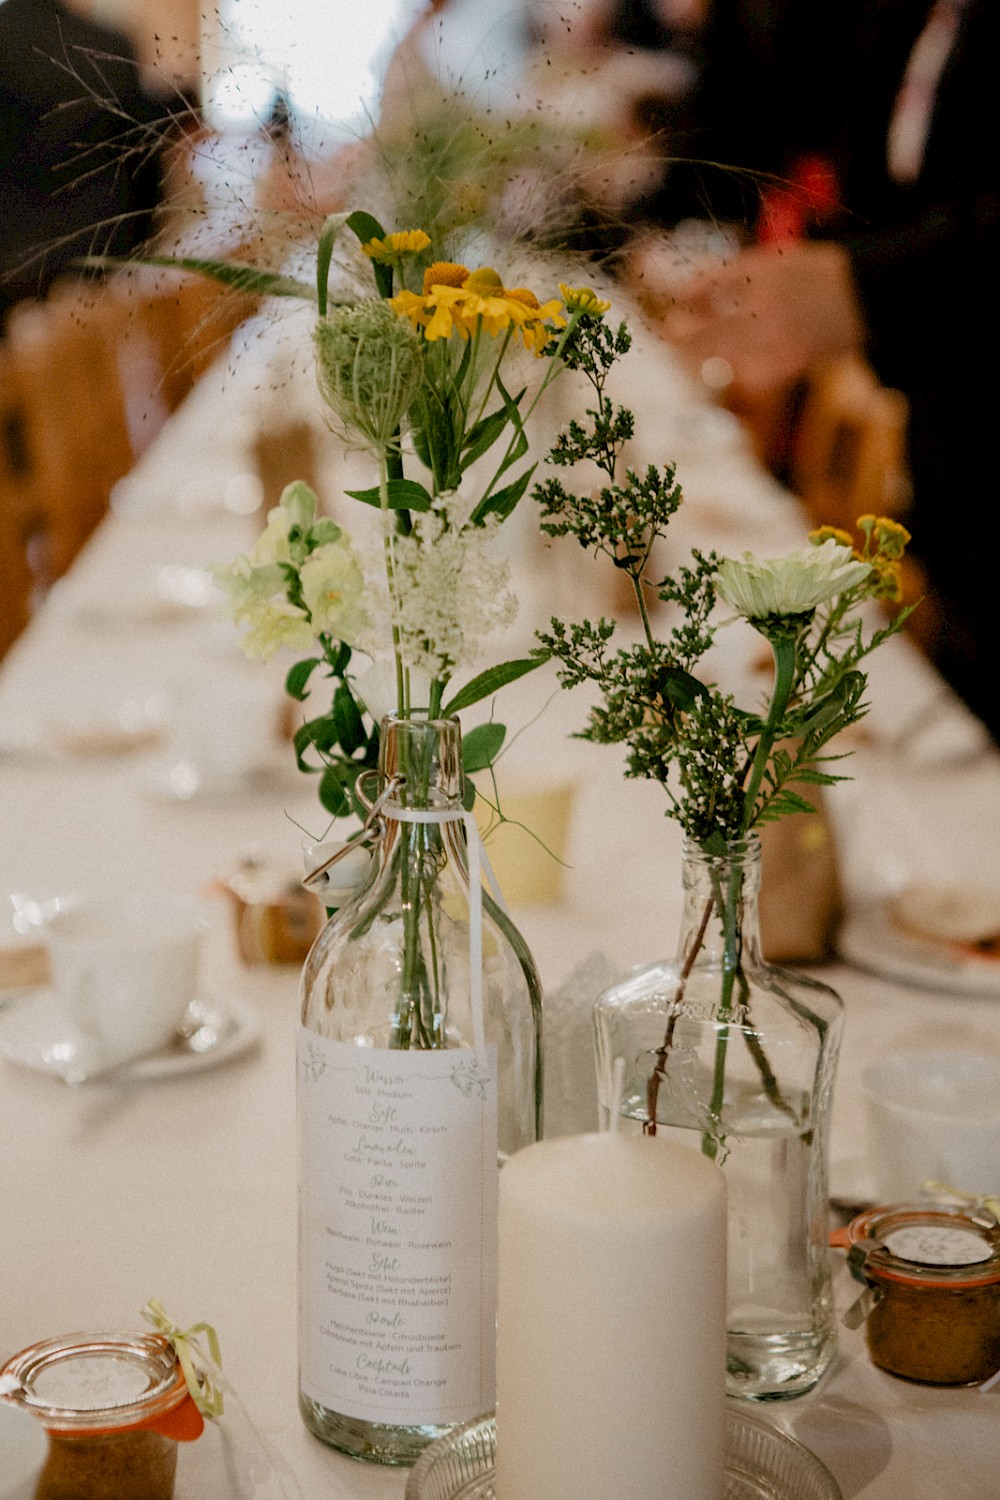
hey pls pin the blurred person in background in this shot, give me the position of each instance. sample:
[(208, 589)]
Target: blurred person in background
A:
[(719, 91), (901, 267), (81, 145)]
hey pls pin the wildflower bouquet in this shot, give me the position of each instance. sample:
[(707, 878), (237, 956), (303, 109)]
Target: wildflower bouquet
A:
[(726, 769), (417, 960), (415, 374)]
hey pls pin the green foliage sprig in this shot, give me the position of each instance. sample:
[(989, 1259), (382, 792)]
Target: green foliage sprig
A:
[(726, 769)]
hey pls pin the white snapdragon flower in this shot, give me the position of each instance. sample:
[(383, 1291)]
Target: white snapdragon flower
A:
[(299, 504), (792, 585), (247, 585), (332, 587), (272, 546), (256, 599), (297, 507), (272, 624)]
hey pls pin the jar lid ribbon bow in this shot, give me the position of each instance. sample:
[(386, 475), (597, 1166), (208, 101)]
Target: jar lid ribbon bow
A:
[(975, 1200), (202, 1372)]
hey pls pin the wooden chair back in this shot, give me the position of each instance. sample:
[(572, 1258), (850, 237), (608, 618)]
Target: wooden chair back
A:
[(188, 320), (65, 353), (19, 510), (848, 459), (848, 453)]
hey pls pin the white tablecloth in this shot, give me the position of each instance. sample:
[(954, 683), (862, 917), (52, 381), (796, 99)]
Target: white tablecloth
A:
[(185, 1189)]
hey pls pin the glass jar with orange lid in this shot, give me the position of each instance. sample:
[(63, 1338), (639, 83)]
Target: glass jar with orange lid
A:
[(931, 1305), (115, 1406)]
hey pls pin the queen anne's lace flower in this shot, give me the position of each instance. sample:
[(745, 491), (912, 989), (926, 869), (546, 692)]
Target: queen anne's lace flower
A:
[(451, 593), (369, 367)]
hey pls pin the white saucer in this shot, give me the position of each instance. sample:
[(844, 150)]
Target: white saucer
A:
[(126, 728), (34, 1034), (180, 781), (870, 940), (158, 596)]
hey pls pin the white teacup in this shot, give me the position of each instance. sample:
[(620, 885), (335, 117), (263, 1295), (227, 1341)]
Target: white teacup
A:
[(933, 1116), (124, 971)]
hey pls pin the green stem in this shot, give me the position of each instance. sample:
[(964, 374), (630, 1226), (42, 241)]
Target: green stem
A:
[(659, 1072), (643, 612), (732, 957), (553, 368), (402, 696), (785, 650), (416, 1021)]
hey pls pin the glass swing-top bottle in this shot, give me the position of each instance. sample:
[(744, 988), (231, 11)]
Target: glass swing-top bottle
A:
[(415, 1081)]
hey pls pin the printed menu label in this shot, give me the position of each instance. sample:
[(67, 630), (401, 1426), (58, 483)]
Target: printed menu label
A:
[(397, 1231)]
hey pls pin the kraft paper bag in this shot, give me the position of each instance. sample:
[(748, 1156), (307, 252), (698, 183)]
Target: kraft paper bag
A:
[(801, 897)]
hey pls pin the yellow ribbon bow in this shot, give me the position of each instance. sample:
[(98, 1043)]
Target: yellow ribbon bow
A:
[(974, 1200), (202, 1372)]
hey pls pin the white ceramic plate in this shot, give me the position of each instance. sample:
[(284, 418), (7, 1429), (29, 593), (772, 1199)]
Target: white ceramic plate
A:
[(126, 728), (35, 1034), (869, 939), (156, 596)]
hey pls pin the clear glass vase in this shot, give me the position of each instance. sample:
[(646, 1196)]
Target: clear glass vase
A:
[(736, 1058), (399, 1146)]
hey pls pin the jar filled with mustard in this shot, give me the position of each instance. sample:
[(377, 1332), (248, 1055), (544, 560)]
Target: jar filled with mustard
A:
[(931, 1304), (115, 1406)]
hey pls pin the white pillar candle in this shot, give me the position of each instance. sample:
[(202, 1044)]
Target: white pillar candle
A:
[(611, 1322)]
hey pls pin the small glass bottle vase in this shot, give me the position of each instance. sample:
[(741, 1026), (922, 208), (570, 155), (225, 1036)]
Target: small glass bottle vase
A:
[(415, 1080), (736, 1058)]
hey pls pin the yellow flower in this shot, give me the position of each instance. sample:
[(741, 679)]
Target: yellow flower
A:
[(891, 537), (479, 302), (583, 299), (831, 534), (404, 242), (444, 273), (887, 580), (432, 308)]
